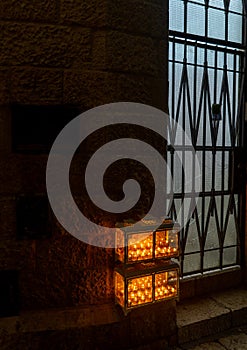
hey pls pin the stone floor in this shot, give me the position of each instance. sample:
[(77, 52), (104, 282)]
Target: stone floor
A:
[(215, 322), (235, 339)]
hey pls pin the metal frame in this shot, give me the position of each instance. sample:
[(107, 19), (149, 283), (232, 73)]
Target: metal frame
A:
[(201, 114)]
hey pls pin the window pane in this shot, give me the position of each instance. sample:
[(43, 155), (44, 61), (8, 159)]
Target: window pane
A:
[(176, 15), (196, 19), (192, 263), (216, 24), (235, 28), (211, 259), (230, 256), (217, 3), (236, 6)]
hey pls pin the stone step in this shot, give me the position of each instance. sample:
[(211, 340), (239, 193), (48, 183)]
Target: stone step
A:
[(206, 316)]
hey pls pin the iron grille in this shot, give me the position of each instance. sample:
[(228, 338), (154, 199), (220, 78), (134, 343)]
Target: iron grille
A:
[(207, 59)]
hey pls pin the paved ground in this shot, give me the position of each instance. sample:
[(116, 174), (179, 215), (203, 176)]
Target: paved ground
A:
[(235, 339)]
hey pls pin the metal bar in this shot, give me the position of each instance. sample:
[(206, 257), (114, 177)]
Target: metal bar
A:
[(214, 41), (198, 115), (213, 7), (209, 67), (190, 148), (203, 44), (200, 194)]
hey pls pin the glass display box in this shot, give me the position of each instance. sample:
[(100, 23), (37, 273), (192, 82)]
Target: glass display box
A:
[(148, 244), (146, 283)]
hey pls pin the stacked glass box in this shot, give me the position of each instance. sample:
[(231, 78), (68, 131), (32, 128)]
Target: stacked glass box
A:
[(145, 271)]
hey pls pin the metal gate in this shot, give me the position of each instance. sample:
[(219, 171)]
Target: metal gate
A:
[(207, 58)]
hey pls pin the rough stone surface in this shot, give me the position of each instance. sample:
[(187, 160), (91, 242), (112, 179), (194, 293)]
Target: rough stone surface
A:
[(36, 10), (86, 88), (231, 339), (43, 45), (157, 345), (22, 174), (87, 13), (149, 322), (235, 342), (36, 86), (197, 319), (236, 301), (7, 227), (134, 17), (4, 86), (207, 346), (130, 53), (5, 129)]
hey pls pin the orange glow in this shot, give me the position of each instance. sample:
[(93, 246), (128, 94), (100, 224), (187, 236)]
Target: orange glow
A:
[(164, 288), (119, 288), (141, 249), (166, 244), (140, 291)]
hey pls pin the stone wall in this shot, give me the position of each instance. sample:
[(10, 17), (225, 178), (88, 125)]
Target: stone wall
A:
[(83, 54)]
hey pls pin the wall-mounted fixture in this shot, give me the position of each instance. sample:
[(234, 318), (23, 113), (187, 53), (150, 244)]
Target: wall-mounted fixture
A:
[(145, 272)]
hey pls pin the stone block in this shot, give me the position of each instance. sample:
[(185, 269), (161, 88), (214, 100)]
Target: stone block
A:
[(209, 345), (36, 10), (22, 174), (44, 45), (87, 13), (36, 86), (16, 255), (132, 54), (86, 88), (187, 289), (4, 85), (112, 336), (234, 342), (163, 59), (140, 89), (60, 340), (236, 301), (157, 345), (218, 282), (33, 217), (200, 318), (5, 129), (99, 54), (152, 322), (7, 218), (138, 17), (90, 286)]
